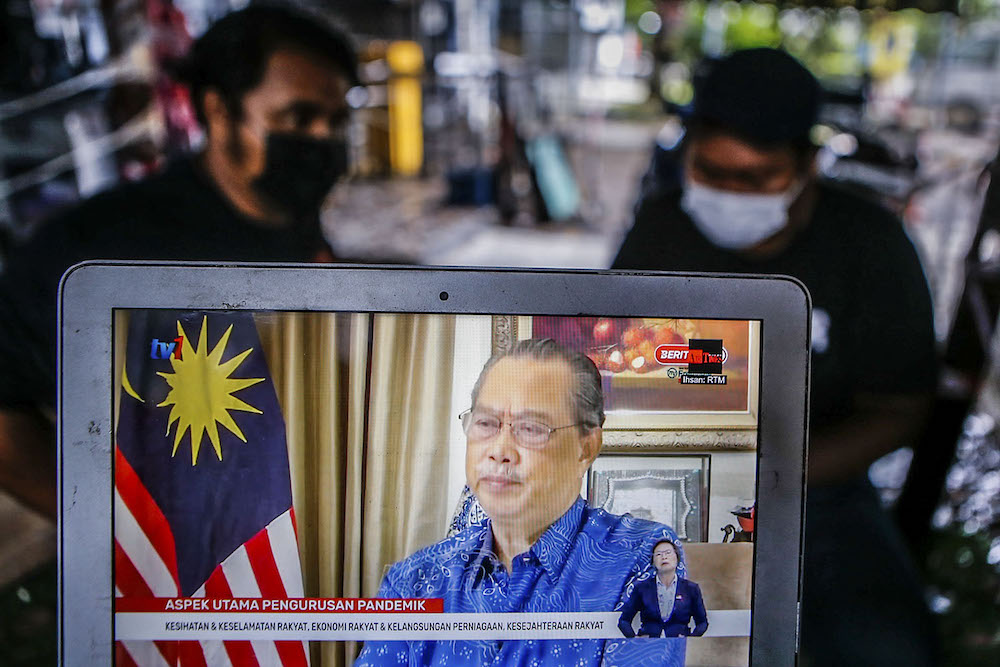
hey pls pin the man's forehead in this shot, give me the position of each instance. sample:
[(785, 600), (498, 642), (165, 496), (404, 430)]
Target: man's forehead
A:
[(292, 75), (728, 152), (523, 382)]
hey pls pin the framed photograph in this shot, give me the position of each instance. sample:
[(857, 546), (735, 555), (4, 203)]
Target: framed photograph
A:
[(668, 489), (644, 393)]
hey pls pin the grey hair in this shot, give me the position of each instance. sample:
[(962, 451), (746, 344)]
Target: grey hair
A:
[(588, 397)]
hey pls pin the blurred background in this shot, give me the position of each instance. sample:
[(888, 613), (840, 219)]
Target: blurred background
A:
[(521, 133)]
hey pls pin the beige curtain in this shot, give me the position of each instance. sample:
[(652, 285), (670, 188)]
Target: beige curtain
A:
[(409, 411), (365, 400)]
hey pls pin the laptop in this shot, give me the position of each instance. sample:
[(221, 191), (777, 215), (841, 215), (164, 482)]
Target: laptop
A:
[(290, 465)]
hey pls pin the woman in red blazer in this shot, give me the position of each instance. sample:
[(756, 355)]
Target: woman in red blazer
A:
[(666, 603)]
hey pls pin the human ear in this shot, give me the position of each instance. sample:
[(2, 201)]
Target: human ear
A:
[(217, 116), (590, 445)]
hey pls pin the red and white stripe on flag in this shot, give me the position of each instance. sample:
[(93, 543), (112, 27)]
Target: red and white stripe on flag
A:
[(265, 566)]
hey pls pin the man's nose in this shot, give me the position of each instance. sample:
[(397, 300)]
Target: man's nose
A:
[(327, 127), (503, 448), (320, 128)]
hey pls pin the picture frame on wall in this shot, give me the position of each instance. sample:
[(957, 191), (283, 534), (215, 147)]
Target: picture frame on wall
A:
[(648, 406), (669, 489)]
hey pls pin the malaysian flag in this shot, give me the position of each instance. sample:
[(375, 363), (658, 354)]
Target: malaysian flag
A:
[(203, 502)]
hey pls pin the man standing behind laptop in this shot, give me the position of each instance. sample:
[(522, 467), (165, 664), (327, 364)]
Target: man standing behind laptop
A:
[(269, 86), (532, 432), (750, 204)]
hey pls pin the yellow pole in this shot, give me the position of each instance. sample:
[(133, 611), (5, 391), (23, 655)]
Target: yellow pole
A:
[(406, 134)]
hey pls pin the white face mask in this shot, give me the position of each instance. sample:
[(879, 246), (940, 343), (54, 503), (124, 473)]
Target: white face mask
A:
[(737, 220)]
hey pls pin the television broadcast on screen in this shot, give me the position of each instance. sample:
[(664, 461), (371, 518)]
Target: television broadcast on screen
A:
[(367, 488)]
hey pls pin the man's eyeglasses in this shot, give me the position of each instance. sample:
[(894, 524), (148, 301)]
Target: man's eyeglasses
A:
[(527, 433)]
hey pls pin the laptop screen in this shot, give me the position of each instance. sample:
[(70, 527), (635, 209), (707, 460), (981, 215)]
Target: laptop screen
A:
[(332, 488)]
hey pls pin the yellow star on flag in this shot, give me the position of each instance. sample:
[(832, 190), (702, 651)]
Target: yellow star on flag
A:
[(201, 392)]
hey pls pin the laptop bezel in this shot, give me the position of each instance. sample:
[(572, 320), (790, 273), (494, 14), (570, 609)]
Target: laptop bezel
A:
[(92, 291)]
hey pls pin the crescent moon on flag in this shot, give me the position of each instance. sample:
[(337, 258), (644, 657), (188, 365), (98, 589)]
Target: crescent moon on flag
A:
[(127, 386)]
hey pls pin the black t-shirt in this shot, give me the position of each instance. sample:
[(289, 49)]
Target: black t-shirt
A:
[(178, 214), (872, 320)]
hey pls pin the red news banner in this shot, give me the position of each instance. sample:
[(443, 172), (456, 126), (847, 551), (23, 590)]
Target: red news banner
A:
[(325, 605), (338, 619)]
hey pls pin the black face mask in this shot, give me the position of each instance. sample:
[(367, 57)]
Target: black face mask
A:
[(299, 172)]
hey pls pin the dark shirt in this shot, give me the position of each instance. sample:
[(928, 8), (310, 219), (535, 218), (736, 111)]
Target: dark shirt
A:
[(178, 214), (872, 333), (872, 320)]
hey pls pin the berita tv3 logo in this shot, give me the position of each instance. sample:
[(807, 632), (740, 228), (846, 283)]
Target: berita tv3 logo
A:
[(704, 359), (165, 349)]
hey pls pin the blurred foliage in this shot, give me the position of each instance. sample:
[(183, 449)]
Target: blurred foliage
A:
[(835, 43), (636, 8), (751, 25), (28, 620), (962, 564), (965, 594), (973, 9)]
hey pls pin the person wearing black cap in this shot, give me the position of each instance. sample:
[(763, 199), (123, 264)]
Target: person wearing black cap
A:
[(269, 85), (750, 202)]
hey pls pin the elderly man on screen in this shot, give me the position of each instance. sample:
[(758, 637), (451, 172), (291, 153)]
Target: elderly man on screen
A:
[(532, 432)]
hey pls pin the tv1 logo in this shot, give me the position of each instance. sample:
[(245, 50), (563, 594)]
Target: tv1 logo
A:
[(165, 349)]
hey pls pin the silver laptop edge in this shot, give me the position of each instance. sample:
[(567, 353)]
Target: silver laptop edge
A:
[(90, 291)]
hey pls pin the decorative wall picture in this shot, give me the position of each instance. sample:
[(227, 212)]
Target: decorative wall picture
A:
[(668, 489), (649, 380)]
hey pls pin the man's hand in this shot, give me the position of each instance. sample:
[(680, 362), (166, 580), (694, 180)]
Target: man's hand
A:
[(28, 460), (878, 424)]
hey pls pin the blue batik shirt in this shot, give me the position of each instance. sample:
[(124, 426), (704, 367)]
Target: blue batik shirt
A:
[(588, 560)]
